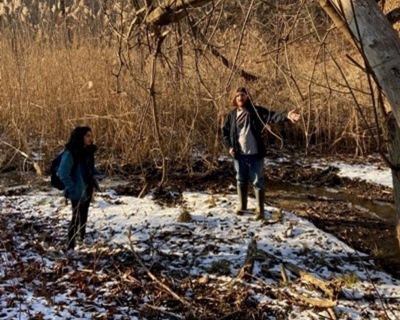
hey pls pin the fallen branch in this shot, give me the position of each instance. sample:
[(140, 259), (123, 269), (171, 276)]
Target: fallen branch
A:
[(263, 255), (25, 155), (332, 313), (325, 286), (322, 303), (163, 311), (247, 268), (284, 275), (152, 276)]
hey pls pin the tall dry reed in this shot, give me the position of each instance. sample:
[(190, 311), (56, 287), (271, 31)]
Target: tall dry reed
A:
[(71, 69)]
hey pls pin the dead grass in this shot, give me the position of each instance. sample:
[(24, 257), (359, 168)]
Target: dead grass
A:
[(348, 279), (185, 216), (61, 78)]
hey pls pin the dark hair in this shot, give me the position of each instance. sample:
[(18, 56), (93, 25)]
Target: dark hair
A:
[(75, 144), (243, 90)]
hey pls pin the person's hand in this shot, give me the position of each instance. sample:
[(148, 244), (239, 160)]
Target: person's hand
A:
[(232, 152), (293, 116)]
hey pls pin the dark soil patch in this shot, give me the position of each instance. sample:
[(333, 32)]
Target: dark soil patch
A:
[(348, 221)]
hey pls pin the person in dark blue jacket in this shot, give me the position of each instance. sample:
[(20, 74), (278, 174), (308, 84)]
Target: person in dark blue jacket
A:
[(242, 136), (77, 171)]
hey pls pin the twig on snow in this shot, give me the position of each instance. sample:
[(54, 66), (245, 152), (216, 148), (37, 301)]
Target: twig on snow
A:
[(177, 316), (332, 313), (25, 155), (247, 268), (152, 276), (325, 286), (322, 303)]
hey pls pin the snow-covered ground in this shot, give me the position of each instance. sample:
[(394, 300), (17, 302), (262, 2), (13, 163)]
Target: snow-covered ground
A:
[(211, 249), (378, 174)]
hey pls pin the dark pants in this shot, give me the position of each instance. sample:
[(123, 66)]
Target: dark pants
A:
[(249, 169), (77, 225)]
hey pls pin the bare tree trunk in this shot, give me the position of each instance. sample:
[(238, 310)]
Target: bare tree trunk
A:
[(152, 94), (377, 41), (379, 45), (394, 154)]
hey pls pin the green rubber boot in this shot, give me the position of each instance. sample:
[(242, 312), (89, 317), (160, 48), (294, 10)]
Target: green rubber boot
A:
[(260, 199), (242, 194)]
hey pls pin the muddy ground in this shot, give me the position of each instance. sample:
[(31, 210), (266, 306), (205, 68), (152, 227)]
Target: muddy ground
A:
[(359, 213)]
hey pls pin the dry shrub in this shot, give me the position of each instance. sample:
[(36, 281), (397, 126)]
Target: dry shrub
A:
[(277, 215), (185, 216), (348, 279)]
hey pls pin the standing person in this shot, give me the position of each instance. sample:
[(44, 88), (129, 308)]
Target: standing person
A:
[(242, 136), (77, 171)]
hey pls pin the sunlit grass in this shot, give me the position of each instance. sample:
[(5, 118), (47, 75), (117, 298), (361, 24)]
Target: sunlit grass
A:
[(77, 78)]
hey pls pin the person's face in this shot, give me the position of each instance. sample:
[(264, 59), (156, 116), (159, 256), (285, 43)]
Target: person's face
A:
[(88, 139), (241, 99)]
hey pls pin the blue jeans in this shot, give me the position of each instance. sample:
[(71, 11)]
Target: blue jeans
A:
[(249, 168)]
